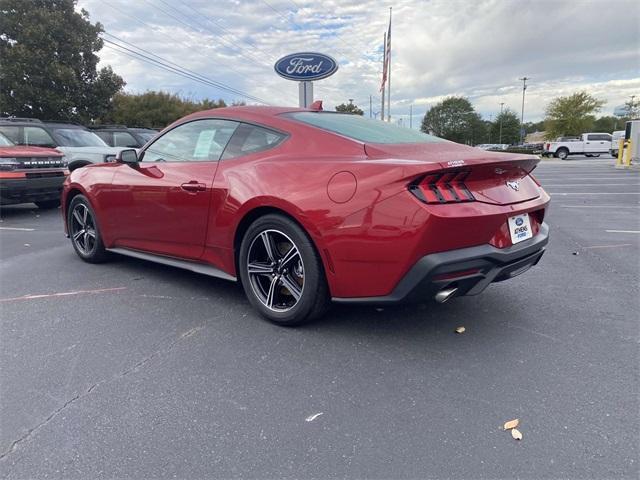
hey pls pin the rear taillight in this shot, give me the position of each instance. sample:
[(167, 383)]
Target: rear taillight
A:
[(446, 187)]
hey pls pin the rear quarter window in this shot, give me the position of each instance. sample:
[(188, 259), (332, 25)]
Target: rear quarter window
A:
[(362, 129)]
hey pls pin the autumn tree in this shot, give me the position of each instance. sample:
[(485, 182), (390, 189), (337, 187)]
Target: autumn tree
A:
[(571, 115), (48, 62)]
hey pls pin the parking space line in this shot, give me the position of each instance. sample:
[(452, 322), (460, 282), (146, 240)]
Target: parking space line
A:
[(608, 246), (17, 229), (62, 294), (622, 231), (546, 185), (599, 206), (594, 193)]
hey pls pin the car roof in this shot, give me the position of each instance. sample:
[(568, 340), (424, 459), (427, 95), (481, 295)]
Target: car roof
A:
[(62, 124), (246, 112)]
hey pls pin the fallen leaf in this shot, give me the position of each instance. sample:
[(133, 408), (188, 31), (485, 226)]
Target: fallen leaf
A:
[(311, 418), (511, 424), (576, 253), (515, 433), (460, 329), (27, 245)]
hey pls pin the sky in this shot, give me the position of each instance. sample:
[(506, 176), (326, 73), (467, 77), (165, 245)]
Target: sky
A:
[(478, 49)]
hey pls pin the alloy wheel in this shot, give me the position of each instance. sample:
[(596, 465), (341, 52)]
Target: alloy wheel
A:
[(275, 270), (83, 229)]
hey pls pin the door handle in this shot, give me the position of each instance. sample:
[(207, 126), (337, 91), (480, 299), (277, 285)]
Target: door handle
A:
[(194, 186)]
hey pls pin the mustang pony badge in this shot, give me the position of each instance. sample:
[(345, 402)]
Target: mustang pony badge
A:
[(514, 185)]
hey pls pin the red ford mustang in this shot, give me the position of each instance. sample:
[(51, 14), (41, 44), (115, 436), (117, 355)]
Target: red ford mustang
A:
[(304, 206)]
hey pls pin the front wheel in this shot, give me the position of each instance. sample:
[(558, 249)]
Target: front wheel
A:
[(84, 232), (281, 272)]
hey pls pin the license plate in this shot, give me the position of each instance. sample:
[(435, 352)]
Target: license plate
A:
[(520, 228)]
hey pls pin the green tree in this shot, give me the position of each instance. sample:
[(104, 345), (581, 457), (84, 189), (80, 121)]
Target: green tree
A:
[(608, 124), (455, 119), (572, 115), (532, 127), (633, 107), (510, 127), (349, 108), (48, 62), (154, 109)]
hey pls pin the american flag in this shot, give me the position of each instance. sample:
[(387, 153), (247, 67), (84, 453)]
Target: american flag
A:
[(387, 56)]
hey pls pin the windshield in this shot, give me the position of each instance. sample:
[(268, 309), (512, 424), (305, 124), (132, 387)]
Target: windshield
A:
[(146, 136), (5, 142), (76, 137), (363, 129)]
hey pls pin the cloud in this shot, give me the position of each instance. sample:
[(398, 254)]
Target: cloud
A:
[(474, 48)]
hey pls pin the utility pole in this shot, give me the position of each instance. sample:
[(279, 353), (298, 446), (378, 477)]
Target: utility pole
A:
[(524, 89), (370, 106), (411, 116), (490, 123), (500, 140)]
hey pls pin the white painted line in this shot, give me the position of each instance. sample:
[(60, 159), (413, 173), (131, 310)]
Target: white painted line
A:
[(62, 294), (546, 185), (16, 229), (599, 206), (622, 231), (595, 193)]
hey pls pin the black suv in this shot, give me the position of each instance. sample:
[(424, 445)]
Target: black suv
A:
[(122, 136)]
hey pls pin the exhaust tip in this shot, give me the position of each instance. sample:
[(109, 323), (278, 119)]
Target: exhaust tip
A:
[(445, 294)]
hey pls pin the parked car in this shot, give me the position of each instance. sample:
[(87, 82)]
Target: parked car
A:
[(588, 144), (80, 146), (615, 142), (30, 174), (121, 136), (304, 206)]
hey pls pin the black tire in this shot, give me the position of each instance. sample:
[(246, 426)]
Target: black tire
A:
[(48, 204), (288, 306), (88, 242), (562, 153), (588, 155)]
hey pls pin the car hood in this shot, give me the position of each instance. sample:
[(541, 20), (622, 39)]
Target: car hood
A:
[(95, 150), (27, 151)]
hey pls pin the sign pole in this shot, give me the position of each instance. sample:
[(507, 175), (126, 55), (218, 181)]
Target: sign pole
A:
[(305, 94)]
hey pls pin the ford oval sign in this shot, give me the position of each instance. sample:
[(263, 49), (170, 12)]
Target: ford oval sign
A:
[(306, 66)]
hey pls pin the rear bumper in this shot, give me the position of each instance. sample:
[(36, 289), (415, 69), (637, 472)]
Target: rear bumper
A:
[(25, 190), (483, 265)]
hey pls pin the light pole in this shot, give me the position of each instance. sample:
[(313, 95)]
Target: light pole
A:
[(524, 89), (500, 139), (411, 116)]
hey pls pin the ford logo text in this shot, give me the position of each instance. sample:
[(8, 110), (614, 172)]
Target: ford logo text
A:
[(306, 66)]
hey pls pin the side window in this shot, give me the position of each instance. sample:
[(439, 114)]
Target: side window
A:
[(124, 139), (106, 136), (250, 139), (38, 137), (592, 137), (197, 141), (12, 133)]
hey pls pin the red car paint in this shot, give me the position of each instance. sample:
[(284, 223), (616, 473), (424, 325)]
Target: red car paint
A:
[(352, 198)]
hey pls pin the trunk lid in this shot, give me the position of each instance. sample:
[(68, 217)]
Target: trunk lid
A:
[(493, 177)]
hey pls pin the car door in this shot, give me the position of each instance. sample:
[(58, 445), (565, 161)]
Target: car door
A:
[(162, 204)]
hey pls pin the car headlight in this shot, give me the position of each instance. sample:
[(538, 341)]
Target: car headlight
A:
[(9, 163), (64, 161), (109, 158)]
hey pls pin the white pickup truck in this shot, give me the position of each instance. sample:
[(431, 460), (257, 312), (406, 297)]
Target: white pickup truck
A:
[(588, 144)]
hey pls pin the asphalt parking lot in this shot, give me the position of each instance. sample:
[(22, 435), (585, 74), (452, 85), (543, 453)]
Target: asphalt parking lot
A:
[(136, 370)]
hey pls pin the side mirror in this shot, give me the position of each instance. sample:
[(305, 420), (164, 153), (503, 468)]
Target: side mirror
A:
[(128, 156)]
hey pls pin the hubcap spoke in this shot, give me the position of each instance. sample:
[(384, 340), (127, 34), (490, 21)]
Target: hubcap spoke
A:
[(290, 255), (258, 268), (272, 291), (292, 286), (91, 233), (78, 234), (268, 246), (78, 217)]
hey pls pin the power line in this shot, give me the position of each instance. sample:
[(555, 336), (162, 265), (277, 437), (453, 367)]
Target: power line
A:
[(180, 70)]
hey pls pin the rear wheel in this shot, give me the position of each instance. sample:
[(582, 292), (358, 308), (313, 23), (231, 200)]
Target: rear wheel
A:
[(281, 271), (84, 232), (48, 204)]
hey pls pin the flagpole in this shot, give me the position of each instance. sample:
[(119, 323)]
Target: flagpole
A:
[(389, 71), (384, 62)]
